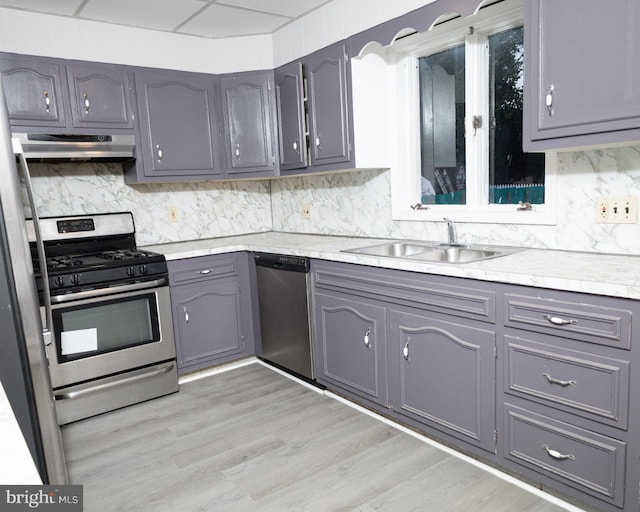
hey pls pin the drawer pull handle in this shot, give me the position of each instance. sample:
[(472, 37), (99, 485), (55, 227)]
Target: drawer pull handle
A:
[(47, 101), (405, 351), (205, 272), (366, 338), (557, 455), (556, 320), (559, 382)]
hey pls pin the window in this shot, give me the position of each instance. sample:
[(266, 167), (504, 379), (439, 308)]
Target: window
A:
[(460, 106)]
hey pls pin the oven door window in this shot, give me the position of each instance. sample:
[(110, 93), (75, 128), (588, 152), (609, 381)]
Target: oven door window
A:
[(105, 326)]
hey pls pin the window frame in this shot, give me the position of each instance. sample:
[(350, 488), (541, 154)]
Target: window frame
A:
[(405, 176)]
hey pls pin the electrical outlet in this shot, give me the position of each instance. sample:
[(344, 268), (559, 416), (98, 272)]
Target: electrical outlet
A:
[(617, 210), (172, 213), (306, 211)]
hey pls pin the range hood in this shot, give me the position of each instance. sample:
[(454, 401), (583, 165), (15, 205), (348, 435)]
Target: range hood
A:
[(76, 148)]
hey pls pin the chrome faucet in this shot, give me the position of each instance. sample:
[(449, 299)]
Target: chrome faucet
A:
[(451, 231)]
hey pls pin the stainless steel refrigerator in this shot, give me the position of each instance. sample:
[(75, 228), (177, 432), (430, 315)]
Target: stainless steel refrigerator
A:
[(23, 363)]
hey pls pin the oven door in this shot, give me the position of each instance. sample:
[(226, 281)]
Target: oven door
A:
[(111, 333)]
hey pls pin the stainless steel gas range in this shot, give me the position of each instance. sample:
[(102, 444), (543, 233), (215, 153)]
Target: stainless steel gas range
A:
[(109, 309)]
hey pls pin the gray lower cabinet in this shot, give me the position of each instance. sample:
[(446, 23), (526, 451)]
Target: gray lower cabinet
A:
[(210, 298), (248, 113), (351, 346), (581, 89), (419, 348), (568, 419), (537, 382), (444, 376), (177, 128)]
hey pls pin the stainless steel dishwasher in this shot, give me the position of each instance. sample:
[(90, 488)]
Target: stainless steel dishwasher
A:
[(283, 296)]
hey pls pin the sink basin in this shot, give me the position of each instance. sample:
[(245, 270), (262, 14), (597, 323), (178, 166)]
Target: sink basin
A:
[(457, 255), (436, 252), (393, 249)]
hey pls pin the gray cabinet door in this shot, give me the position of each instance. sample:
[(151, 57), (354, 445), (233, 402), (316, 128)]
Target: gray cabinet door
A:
[(34, 90), (328, 103), (248, 115), (290, 101), (100, 96), (444, 376), (178, 125), (207, 321), (583, 69), (350, 346)]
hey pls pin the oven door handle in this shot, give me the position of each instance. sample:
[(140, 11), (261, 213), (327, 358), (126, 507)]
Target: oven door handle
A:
[(110, 290), (65, 395)]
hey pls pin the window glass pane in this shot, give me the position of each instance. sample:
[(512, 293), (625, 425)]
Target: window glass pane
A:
[(442, 111), (513, 175)]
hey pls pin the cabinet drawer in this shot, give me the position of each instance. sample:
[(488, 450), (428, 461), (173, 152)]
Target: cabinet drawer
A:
[(576, 457), (579, 321), (201, 268), (593, 387)]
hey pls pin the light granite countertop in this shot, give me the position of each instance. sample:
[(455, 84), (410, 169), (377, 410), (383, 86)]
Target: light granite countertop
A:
[(600, 274)]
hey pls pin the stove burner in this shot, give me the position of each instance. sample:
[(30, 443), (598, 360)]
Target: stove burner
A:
[(121, 254), (63, 262)]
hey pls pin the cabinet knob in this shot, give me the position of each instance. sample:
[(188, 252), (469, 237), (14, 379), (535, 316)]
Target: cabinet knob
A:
[(295, 146), (405, 351), (367, 334), (159, 152), (549, 99), (238, 151), (47, 101), (318, 142), (86, 103), (186, 315)]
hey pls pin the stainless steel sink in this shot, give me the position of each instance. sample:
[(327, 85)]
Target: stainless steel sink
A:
[(392, 249), (436, 252)]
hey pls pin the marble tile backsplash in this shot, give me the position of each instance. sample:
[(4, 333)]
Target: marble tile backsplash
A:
[(354, 203), (205, 209), (358, 204)]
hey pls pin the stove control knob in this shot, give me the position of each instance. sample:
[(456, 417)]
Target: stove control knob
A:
[(131, 271), (143, 270), (59, 280), (75, 279)]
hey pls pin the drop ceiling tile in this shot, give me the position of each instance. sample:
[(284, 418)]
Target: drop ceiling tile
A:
[(61, 7), (222, 21), (154, 14), (289, 8)]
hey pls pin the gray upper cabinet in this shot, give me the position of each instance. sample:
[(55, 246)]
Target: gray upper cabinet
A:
[(34, 90), (100, 96), (248, 109), (315, 130), (328, 88), (291, 102), (582, 74), (178, 128)]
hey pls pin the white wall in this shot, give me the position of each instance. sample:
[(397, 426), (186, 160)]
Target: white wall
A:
[(57, 36)]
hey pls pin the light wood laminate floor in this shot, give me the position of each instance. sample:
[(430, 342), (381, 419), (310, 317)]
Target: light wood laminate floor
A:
[(251, 439)]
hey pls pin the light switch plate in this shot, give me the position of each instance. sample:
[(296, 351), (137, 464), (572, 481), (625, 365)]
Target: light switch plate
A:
[(617, 210)]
